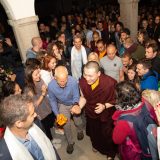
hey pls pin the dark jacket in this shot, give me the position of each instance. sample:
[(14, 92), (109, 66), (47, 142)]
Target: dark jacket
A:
[(137, 51)]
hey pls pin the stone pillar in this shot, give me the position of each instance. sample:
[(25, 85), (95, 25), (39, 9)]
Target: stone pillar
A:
[(24, 29), (129, 15)]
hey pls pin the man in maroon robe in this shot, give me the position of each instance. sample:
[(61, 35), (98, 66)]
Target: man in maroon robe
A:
[(98, 90)]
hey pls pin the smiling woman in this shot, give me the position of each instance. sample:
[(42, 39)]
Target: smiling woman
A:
[(47, 71), (36, 88)]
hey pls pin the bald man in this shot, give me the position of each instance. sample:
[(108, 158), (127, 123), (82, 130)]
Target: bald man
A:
[(37, 45), (64, 98), (112, 64)]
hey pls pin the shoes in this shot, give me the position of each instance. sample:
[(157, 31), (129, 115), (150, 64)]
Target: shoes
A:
[(70, 148), (59, 131), (56, 141), (80, 135), (57, 146)]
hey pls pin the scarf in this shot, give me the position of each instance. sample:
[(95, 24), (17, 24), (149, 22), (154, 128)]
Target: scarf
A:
[(95, 84), (74, 67), (102, 54), (18, 151), (127, 107)]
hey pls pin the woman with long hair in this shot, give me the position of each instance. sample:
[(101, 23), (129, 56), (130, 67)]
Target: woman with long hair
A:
[(132, 76), (142, 37), (36, 88), (56, 49)]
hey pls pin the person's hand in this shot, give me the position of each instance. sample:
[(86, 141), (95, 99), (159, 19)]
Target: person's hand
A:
[(108, 105), (75, 109), (8, 41), (44, 89), (100, 108), (125, 69)]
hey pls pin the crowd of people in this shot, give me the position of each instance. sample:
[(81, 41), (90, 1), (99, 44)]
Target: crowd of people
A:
[(87, 68)]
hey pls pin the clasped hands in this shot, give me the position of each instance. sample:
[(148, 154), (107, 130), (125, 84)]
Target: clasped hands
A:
[(101, 107), (75, 109)]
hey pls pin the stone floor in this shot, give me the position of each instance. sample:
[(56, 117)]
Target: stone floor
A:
[(82, 149)]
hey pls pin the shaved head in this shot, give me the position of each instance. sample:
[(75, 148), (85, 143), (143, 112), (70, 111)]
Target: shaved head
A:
[(35, 41), (111, 51), (91, 72), (61, 76), (92, 65), (111, 46), (61, 71)]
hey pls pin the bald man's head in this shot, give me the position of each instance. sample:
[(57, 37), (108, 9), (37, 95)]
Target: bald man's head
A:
[(91, 72), (111, 46), (36, 41), (111, 51), (61, 76)]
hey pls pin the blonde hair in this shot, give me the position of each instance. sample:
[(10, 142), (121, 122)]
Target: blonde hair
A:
[(129, 41), (152, 96), (93, 54)]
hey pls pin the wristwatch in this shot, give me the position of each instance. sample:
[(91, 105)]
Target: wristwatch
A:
[(76, 103)]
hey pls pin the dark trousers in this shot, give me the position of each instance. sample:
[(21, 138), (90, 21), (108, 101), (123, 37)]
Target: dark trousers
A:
[(48, 123)]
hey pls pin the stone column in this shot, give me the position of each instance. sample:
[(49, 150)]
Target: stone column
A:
[(129, 15), (24, 29)]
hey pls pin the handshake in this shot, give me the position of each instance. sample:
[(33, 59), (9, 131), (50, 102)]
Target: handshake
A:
[(75, 109)]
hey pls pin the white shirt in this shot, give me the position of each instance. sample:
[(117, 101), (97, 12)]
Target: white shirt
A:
[(46, 76)]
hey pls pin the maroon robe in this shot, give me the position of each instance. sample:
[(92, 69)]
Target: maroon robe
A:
[(100, 126)]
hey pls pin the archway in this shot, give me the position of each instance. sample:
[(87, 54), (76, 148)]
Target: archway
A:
[(22, 18)]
